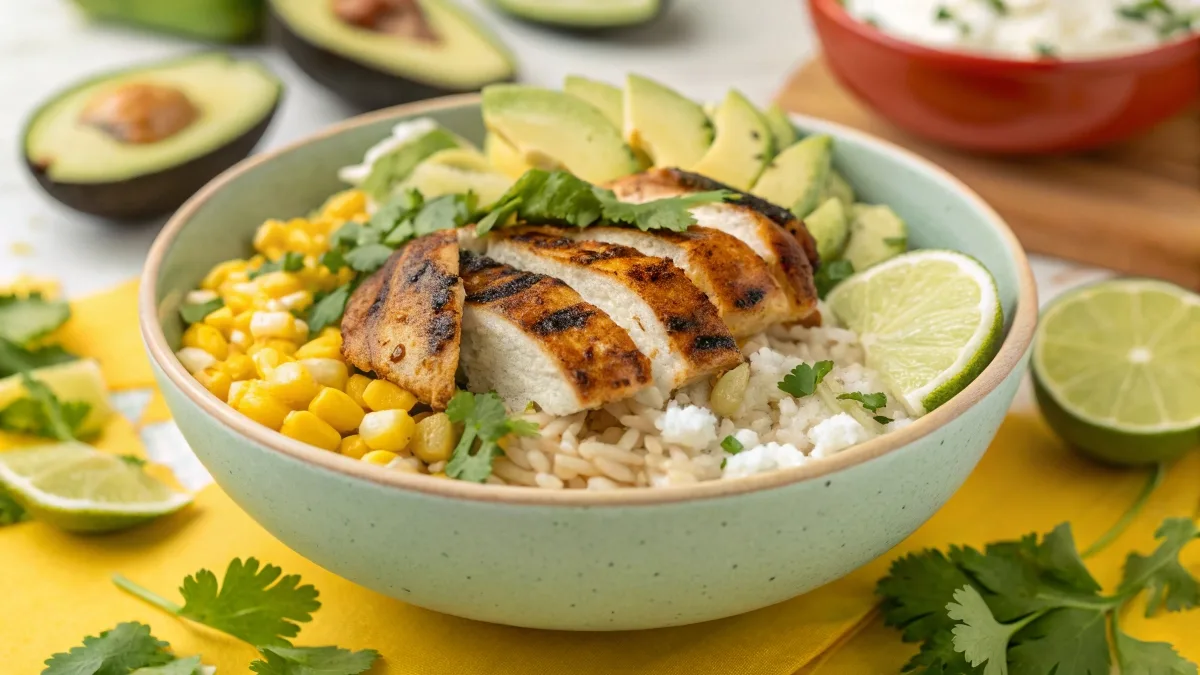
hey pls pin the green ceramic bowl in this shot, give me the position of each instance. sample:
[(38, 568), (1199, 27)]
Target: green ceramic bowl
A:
[(581, 560)]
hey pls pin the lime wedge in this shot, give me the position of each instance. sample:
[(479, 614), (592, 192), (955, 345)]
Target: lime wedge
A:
[(80, 489), (72, 381), (1117, 370), (929, 322)]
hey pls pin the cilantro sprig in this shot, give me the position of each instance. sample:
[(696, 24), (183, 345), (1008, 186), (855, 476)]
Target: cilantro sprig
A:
[(1031, 606), (24, 322), (26, 319), (485, 422), (125, 648), (804, 378), (831, 274), (194, 312)]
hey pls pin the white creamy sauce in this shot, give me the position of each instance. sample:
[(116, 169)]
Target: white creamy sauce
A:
[(1034, 28)]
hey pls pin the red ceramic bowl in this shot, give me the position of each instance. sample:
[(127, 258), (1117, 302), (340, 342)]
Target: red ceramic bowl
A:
[(1006, 105)]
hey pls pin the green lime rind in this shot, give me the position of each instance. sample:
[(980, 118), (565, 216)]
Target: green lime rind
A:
[(975, 366)]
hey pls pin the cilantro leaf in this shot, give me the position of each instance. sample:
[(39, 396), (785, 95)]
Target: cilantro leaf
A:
[(484, 420), (15, 358), (670, 213), (979, 636), (1150, 658), (26, 319), (446, 212), (883, 419), (314, 661), (938, 657), (368, 258), (346, 235), (871, 402), (803, 379), (11, 512), (333, 259), (398, 209), (1067, 640), (126, 647), (40, 413), (1169, 583), (187, 666), (831, 274), (289, 262), (498, 217), (732, 445), (915, 593), (252, 604), (328, 310), (195, 312)]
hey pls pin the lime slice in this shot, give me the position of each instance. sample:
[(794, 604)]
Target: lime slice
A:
[(80, 489), (929, 322), (1117, 370), (72, 381)]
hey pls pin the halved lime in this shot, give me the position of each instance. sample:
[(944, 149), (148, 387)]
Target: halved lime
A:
[(72, 381), (80, 489), (1117, 370), (929, 322)]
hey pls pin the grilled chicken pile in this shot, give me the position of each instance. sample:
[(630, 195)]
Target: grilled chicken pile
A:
[(572, 319)]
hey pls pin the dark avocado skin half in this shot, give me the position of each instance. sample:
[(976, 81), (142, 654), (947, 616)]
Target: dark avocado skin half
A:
[(153, 194), (361, 86)]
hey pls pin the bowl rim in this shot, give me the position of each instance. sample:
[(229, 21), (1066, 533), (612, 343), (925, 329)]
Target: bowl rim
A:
[(1013, 349), (836, 12)]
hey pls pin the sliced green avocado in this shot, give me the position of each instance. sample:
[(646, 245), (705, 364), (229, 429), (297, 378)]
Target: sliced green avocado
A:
[(667, 127), (828, 225), (607, 98), (504, 157), (583, 13), (781, 127), (391, 169), (458, 171), (876, 234), (795, 179), (218, 20), (743, 145), (555, 129), (838, 186), (417, 50), (192, 118)]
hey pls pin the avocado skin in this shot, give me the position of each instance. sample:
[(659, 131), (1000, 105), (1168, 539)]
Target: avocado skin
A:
[(228, 21), (582, 29), (359, 85), (152, 194)]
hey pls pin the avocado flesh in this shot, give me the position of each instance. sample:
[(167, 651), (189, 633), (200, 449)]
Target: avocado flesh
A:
[(458, 171), (781, 127), (742, 147), (395, 166), (232, 96), (552, 128), (796, 178), (502, 155), (363, 65), (217, 20), (670, 129), (607, 98), (583, 13)]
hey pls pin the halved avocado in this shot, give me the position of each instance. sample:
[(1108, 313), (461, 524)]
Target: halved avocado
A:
[(667, 127), (583, 13), (555, 129), (796, 178), (218, 20), (137, 143), (743, 145), (392, 51), (607, 98), (781, 127)]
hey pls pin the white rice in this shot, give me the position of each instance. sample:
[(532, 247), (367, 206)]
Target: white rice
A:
[(648, 441)]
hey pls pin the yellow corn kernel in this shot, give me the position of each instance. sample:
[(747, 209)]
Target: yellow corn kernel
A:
[(420, 416), (215, 380), (203, 336), (279, 284), (380, 457), (327, 372), (332, 333), (282, 346), (434, 439), (237, 390), (440, 474), (238, 302), (343, 276), (299, 241), (355, 387), (267, 359), (353, 447), (271, 234), (345, 204), (308, 428), (240, 367), (241, 340), (299, 300), (220, 273), (221, 319), (337, 409), (241, 320), (387, 430), (273, 325), (292, 384), (383, 395), (258, 404), (320, 348)]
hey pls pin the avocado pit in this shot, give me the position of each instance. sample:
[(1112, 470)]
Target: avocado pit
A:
[(140, 112), (401, 18)]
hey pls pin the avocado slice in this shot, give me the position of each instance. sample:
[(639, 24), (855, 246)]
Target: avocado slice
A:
[(418, 49), (191, 119), (583, 13), (393, 168), (838, 186), (215, 20), (781, 127), (743, 145), (458, 171), (667, 127), (877, 233), (796, 178), (829, 226), (504, 157), (553, 129), (607, 98)]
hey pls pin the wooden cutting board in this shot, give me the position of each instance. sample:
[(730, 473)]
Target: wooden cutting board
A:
[(1133, 208)]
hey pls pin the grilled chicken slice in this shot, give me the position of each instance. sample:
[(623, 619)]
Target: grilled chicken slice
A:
[(404, 322), (746, 220), (530, 337), (668, 318), (737, 282)]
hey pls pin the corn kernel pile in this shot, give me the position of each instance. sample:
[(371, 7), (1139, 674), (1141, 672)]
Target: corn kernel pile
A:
[(256, 355)]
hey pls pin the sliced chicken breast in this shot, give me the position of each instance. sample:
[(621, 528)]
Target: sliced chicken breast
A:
[(530, 337), (668, 318), (409, 332), (736, 280)]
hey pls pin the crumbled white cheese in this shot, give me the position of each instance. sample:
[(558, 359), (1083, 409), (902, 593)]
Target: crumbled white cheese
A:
[(402, 134), (692, 427), (836, 433), (763, 458), (747, 437)]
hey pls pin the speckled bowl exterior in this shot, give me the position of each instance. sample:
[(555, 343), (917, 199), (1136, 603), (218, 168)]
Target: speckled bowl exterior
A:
[(582, 560)]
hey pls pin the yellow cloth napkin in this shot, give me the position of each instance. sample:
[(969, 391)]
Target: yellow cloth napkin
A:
[(57, 589), (105, 327)]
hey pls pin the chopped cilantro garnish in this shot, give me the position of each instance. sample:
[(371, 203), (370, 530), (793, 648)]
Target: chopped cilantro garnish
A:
[(26, 319), (40, 413), (871, 402), (998, 6), (803, 379), (194, 312), (333, 259), (125, 648), (15, 359), (328, 309), (883, 419), (732, 445), (368, 258), (485, 422), (831, 274), (288, 262), (943, 14), (313, 661)]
